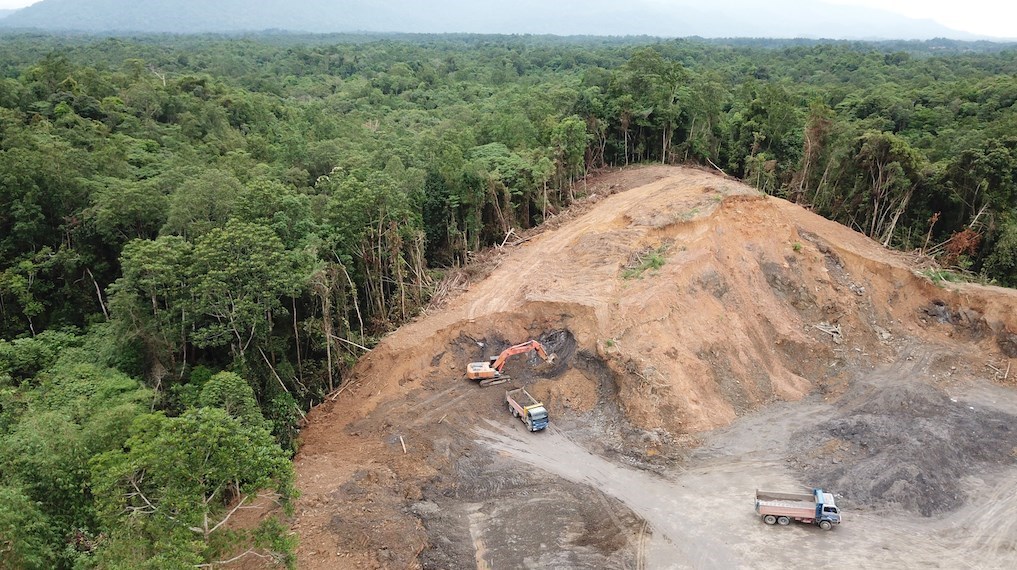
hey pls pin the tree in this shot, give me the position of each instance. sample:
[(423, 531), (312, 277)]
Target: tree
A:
[(167, 496), (569, 140), (277, 206), (153, 299), (203, 202), (240, 273), (889, 171), (124, 209), (25, 537), (1001, 264), (232, 394)]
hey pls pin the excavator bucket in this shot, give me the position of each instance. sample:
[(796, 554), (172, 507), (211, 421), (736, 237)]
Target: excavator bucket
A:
[(547, 364)]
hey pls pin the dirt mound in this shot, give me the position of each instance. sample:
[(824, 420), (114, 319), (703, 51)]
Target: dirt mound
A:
[(676, 301), (907, 444)]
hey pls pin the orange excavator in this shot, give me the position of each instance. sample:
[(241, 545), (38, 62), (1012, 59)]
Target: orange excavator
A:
[(489, 373)]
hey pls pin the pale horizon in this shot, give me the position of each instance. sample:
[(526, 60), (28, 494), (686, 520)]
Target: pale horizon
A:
[(989, 18)]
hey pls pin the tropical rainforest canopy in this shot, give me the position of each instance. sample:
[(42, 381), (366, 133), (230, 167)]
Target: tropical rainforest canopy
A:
[(200, 235)]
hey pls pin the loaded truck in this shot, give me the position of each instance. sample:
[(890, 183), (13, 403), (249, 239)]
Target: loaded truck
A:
[(525, 407), (816, 508)]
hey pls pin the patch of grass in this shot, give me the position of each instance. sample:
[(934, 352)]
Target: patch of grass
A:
[(957, 275), (691, 214), (649, 260), (797, 246), (941, 275)]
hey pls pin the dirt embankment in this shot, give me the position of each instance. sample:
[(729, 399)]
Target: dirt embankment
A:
[(678, 302)]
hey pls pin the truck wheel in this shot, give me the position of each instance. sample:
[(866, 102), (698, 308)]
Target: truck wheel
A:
[(783, 521), (770, 519), (825, 525)]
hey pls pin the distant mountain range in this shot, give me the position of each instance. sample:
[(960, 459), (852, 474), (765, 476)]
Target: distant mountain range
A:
[(676, 18), (5, 13)]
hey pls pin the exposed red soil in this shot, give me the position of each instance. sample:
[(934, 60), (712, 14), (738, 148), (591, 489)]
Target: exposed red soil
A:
[(743, 312)]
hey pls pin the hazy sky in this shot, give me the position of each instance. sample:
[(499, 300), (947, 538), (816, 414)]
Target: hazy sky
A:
[(986, 17)]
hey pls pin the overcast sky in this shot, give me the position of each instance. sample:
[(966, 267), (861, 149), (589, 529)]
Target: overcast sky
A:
[(985, 17)]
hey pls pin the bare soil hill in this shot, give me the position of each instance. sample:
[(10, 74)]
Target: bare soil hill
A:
[(710, 340)]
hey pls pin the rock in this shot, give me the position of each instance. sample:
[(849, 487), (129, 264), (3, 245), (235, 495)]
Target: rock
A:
[(425, 509)]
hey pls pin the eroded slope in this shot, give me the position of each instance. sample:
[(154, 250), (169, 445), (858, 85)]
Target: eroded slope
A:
[(678, 300)]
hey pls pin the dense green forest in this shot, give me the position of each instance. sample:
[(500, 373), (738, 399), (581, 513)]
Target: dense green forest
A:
[(200, 235)]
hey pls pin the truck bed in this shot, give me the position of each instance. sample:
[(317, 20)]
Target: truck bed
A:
[(521, 397), (792, 497), (797, 509)]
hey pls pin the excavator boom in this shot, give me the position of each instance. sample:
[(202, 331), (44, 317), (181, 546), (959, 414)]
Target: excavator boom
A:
[(527, 346), (489, 373)]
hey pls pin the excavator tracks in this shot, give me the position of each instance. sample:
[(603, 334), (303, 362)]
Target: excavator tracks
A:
[(494, 381)]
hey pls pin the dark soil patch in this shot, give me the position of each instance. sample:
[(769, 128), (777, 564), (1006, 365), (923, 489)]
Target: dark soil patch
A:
[(908, 445)]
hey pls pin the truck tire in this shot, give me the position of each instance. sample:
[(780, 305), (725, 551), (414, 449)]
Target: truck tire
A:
[(825, 525), (770, 519), (783, 521)]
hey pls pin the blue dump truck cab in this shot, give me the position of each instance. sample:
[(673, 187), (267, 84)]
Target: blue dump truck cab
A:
[(526, 408), (826, 508), (817, 508), (538, 418)]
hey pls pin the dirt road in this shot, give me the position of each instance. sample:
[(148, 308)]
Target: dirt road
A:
[(700, 515)]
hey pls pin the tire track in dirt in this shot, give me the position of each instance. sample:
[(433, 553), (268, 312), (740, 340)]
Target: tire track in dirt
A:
[(672, 544), (990, 528), (702, 517)]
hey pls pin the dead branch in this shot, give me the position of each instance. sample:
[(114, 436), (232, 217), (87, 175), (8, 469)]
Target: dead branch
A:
[(335, 395), (510, 233), (98, 293), (522, 241), (350, 342), (832, 330), (281, 383), (719, 169), (228, 515), (155, 72), (249, 552), (272, 368)]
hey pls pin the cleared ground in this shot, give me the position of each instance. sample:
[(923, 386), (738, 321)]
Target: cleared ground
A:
[(771, 349)]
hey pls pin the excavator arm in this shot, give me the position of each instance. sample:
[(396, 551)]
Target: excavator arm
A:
[(527, 346), (489, 373)]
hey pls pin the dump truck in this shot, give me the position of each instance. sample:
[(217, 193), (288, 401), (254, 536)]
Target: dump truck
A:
[(816, 508), (489, 373), (525, 407)]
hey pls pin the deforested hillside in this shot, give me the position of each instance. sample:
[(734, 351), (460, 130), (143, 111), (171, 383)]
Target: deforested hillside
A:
[(693, 320)]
